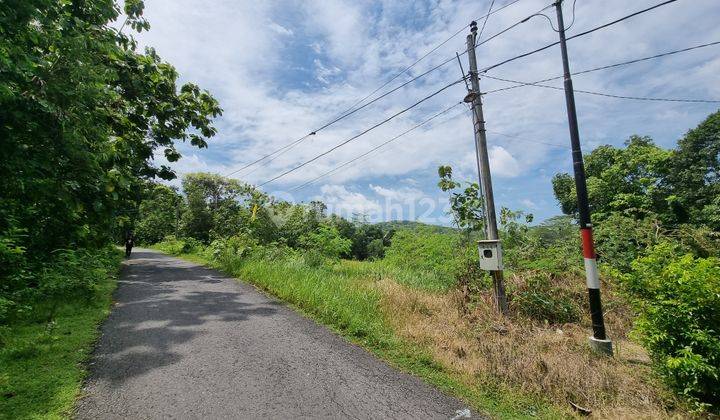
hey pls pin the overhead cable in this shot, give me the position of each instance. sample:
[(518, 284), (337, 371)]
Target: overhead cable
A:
[(386, 120)]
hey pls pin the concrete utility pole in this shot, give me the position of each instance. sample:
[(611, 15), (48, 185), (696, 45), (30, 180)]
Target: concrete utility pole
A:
[(490, 250), (599, 341)]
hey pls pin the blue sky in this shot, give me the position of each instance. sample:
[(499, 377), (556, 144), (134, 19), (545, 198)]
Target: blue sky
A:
[(282, 69)]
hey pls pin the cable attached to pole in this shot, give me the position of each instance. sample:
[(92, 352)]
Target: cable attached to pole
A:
[(608, 95), (386, 120), (383, 144)]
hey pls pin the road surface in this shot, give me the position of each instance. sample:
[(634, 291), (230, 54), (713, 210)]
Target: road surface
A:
[(184, 341)]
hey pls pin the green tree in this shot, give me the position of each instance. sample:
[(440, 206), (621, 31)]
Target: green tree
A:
[(693, 182), (83, 113), (327, 241), (347, 230), (678, 296), (294, 221), (158, 214), (626, 180), (215, 205), (376, 249), (365, 234), (467, 206)]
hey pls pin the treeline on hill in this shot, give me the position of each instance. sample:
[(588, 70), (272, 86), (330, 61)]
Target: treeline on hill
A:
[(213, 208), (657, 237), (82, 113)]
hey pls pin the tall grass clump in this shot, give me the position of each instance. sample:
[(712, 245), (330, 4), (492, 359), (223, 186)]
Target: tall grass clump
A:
[(427, 259), (34, 291)]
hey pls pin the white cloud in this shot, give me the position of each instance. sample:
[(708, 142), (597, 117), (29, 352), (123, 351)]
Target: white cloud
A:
[(317, 47), (528, 203), (280, 29), (346, 203), (502, 163), (241, 54), (325, 73), (402, 195)]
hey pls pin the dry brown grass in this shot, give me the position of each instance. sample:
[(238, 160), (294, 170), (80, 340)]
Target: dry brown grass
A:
[(553, 362)]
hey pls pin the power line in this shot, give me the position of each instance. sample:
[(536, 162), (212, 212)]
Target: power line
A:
[(358, 158), (551, 22), (553, 87), (487, 16), (350, 111), (623, 63), (383, 144), (408, 68), (514, 25), (573, 19), (438, 66), (485, 70), (267, 162), (608, 95), (647, 58), (287, 146), (437, 92), (589, 31)]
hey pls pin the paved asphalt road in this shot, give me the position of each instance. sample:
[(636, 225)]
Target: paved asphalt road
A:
[(183, 341)]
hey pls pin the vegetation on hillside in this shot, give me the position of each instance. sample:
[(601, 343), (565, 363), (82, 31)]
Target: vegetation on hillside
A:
[(83, 112)]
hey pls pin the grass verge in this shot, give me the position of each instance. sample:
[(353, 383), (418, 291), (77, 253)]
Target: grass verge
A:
[(42, 363)]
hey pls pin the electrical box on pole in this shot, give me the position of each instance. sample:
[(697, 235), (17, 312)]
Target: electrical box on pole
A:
[(490, 252)]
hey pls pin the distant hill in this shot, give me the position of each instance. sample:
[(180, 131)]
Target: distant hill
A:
[(410, 225)]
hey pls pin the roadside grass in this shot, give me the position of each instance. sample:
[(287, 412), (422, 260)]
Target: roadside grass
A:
[(42, 363), (347, 297), (478, 345)]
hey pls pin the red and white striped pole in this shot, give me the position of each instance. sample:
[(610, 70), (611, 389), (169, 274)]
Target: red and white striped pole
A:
[(599, 341)]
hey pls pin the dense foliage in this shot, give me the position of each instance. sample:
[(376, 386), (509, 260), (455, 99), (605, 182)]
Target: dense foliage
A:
[(656, 217), (678, 296), (83, 113), (642, 180), (42, 360)]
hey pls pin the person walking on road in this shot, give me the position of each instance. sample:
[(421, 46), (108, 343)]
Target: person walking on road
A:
[(128, 246)]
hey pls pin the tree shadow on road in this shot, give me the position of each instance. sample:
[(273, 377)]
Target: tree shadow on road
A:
[(161, 305)]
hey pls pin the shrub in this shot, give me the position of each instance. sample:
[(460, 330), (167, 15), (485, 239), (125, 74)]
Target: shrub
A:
[(424, 250), (553, 247), (431, 260), (67, 276), (376, 249), (314, 258), (191, 245), (327, 241), (171, 245), (677, 297), (540, 300), (6, 309), (621, 239), (240, 245)]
